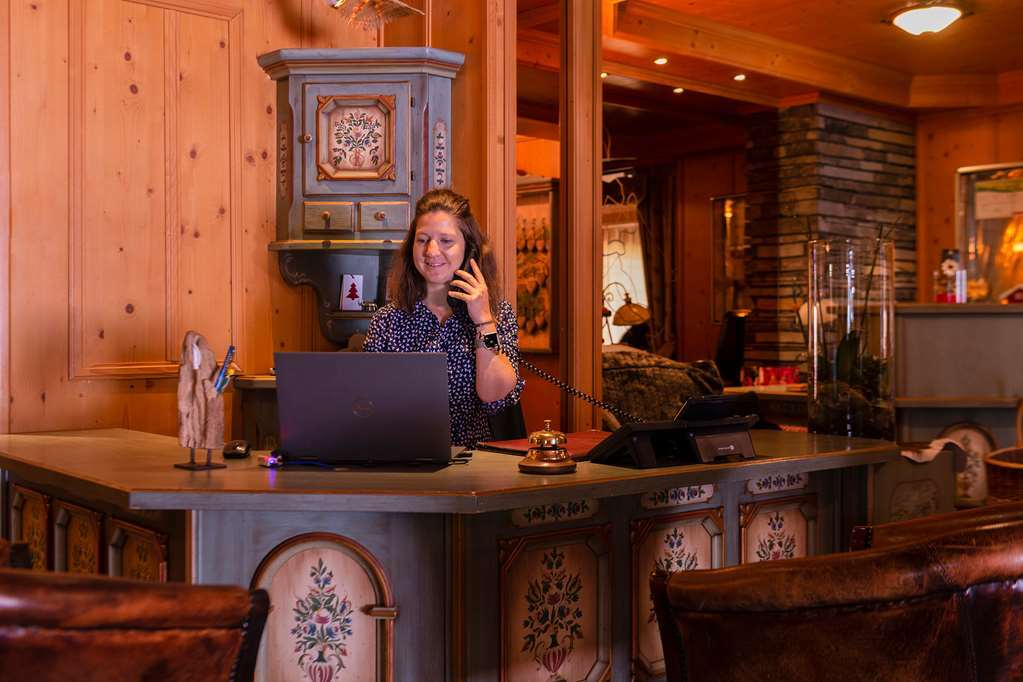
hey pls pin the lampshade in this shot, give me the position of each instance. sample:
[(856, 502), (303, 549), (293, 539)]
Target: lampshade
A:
[(927, 17), (630, 313)]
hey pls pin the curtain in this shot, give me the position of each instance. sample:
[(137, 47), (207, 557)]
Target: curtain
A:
[(658, 217)]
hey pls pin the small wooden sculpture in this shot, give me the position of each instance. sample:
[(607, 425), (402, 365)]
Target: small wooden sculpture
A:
[(200, 405)]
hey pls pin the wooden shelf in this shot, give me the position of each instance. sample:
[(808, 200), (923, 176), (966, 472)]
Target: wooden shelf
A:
[(336, 245)]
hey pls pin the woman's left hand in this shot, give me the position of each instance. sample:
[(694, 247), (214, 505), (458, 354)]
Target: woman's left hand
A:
[(474, 292)]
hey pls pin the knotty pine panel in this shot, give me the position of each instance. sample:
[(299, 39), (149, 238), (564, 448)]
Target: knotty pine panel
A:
[(945, 142), (225, 104)]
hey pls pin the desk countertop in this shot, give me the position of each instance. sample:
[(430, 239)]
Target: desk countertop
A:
[(135, 469)]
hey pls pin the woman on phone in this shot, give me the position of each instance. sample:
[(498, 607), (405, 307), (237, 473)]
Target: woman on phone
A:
[(445, 298)]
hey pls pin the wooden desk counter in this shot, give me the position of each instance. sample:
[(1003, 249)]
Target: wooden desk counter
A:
[(135, 470), (438, 561)]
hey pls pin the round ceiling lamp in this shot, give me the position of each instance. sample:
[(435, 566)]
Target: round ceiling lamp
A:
[(927, 17)]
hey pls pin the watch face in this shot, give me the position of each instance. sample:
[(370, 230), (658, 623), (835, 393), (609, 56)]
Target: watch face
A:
[(490, 341)]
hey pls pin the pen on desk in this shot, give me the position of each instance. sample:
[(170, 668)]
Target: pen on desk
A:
[(220, 383)]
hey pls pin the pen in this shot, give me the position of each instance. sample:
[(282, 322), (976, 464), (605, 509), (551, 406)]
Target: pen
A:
[(220, 383)]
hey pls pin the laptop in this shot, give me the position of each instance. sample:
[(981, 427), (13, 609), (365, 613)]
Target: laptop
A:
[(363, 408)]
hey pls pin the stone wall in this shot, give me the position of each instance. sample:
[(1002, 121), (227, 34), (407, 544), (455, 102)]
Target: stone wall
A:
[(816, 171)]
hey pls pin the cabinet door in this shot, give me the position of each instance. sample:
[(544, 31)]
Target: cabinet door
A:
[(356, 138)]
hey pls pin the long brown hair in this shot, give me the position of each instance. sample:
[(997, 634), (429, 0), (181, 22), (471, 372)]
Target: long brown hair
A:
[(406, 286)]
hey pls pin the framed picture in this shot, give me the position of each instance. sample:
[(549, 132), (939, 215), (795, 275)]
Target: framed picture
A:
[(535, 241), (989, 229)]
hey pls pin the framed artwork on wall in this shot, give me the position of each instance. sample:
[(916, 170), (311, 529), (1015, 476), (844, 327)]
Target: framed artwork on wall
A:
[(989, 229), (536, 226)]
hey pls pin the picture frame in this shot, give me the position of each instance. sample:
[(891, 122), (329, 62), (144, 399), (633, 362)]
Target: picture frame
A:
[(536, 240), (989, 226), (970, 473)]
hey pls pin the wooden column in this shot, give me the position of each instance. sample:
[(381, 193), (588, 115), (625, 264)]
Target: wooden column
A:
[(5, 220), (580, 113)]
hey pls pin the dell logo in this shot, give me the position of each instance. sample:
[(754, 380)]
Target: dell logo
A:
[(363, 407)]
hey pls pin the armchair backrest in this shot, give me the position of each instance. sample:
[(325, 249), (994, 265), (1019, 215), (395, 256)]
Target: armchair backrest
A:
[(946, 608), (56, 626)]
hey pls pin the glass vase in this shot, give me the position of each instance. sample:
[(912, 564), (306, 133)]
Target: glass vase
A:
[(851, 333)]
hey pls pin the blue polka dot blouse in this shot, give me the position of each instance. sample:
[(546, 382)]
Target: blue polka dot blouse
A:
[(395, 331)]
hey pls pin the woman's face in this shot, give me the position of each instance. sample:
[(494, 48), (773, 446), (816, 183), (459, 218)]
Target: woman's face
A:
[(439, 247)]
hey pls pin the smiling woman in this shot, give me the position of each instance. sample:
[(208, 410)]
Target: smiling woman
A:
[(445, 299)]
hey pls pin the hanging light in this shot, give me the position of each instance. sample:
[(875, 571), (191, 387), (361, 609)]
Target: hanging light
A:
[(927, 17)]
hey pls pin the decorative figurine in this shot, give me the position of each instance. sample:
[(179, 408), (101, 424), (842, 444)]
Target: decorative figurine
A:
[(200, 403)]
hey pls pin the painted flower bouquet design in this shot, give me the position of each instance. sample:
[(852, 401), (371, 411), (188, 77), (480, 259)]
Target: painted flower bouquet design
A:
[(357, 137), (323, 621), (554, 618), (777, 544), (675, 557)]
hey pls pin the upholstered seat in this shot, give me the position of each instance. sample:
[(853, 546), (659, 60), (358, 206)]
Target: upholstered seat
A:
[(947, 608), (63, 627)]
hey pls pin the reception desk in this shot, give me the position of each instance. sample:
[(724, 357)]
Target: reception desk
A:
[(471, 571)]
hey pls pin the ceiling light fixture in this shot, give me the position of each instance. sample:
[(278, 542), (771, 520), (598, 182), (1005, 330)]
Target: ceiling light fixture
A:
[(739, 77), (679, 91), (930, 16), (603, 74), (661, 61)]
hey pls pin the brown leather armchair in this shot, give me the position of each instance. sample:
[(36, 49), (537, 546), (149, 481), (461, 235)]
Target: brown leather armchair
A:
[(949, 607), (897, 532), (56, 626)]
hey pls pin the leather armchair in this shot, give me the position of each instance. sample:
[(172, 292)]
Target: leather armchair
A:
[(56, 626), (947, 608), (885, 534)]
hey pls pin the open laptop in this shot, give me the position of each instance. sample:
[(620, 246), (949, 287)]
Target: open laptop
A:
[(363, 408)]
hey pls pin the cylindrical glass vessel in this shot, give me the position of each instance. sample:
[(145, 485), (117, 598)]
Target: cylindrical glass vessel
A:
[(851, 335)]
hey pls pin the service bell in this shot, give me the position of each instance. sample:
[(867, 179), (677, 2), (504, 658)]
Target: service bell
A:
[(546, 453)]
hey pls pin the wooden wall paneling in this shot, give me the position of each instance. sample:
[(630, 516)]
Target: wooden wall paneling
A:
[(412, 30), (324, 26), (5, 218), (580, 120)]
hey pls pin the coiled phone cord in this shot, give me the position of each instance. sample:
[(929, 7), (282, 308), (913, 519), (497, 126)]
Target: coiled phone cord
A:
[(547, 376)]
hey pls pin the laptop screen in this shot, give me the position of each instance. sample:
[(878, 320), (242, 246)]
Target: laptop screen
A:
[(363, 407)]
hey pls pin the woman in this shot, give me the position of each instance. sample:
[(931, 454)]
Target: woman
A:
[(443, 288)]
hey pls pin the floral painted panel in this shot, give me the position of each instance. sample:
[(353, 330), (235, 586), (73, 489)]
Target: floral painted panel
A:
[(673, 543), (142, 559), (355, 137), (81, 544), (777, 483), (779, 529), (913, 499), (677, 497), (554, 513), (551, 612), (440, 154), (317, 629), (34, 524)]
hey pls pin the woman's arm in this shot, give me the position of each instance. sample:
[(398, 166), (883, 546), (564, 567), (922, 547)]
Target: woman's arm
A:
[(498, 383)]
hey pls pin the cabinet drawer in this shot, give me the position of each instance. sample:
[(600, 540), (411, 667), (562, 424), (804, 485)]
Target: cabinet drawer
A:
[(383, 215), (329, 216)]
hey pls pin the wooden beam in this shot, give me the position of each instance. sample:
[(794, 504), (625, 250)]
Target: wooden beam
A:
[(539, 16), (954, 90), (540, 50), (580, 203), (499, 140), (671, 32)]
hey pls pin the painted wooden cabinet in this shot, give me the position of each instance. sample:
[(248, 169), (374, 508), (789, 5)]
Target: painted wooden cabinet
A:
[(361, 135)]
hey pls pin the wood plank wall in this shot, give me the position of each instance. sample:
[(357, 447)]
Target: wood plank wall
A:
[(947, 141), (141, 175)]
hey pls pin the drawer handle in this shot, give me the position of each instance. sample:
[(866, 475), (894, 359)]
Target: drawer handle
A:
[(326, 219), (380, 216), (306, 138)]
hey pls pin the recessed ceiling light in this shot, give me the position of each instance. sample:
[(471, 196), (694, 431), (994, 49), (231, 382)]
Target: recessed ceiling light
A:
[(679, 91), (927, 17), (603, 74), (739, 77), (661, 61)]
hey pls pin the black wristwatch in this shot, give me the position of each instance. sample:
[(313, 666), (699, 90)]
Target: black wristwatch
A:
[(490, 341)]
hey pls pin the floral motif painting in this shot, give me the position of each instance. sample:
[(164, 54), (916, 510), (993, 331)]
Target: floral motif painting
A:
[(535, 215), (332, 614), (439, 155), (30, 516), (77, 538), (555, 512), (555, 607), (677, 497), (778, 529), (355, 137), (687, 541), (135, 552)]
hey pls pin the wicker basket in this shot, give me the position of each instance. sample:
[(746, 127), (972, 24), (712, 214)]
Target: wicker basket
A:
[(1005, 468)]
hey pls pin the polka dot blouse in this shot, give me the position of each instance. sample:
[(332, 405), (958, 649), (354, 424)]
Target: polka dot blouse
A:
[(395, 331)]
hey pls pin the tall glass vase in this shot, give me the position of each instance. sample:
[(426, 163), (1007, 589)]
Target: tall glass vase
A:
[(851, 332)]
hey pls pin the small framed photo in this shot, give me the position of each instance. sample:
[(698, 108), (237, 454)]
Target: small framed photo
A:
[(351, 292)]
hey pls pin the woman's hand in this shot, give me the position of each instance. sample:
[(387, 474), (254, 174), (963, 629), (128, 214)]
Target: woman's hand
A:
[(473, 290)]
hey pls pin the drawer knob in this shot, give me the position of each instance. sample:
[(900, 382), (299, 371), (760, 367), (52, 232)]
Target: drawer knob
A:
[(379, 215), (326, 218), (306, 138)]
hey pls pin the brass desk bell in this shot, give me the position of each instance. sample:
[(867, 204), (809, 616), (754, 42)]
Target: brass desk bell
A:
[(546, 454)]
